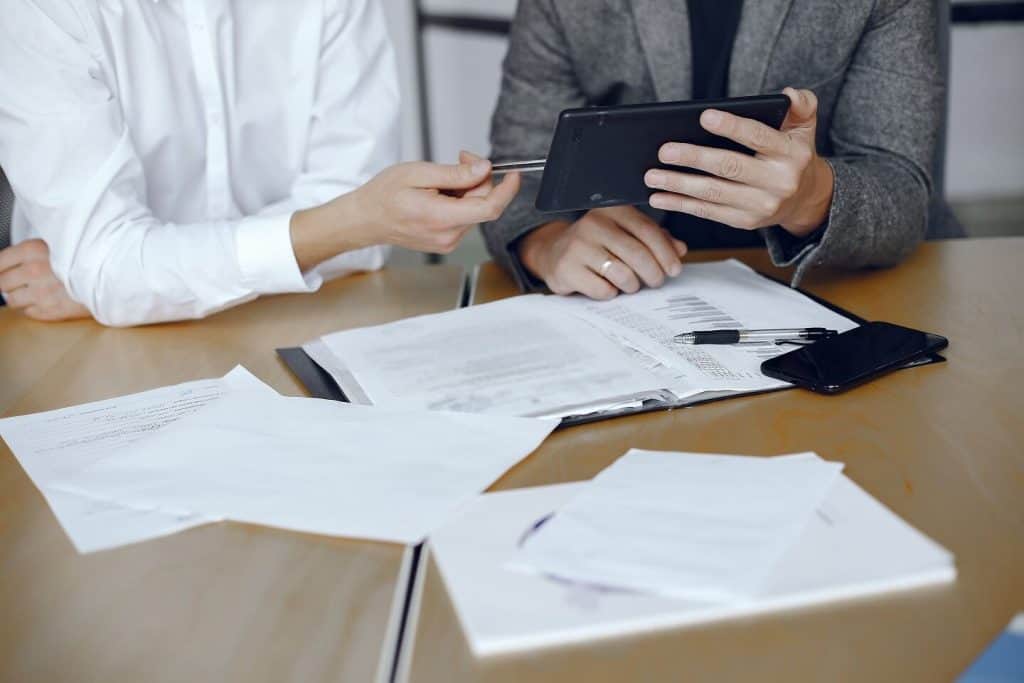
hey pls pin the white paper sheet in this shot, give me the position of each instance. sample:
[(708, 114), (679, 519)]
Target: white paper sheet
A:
[(853, 546), (57, 443), (520, 356), (316, 466), (708, 296), (696, 526)]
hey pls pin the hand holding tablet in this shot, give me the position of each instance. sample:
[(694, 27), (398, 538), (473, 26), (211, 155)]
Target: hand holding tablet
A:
[(599, 155), (746, 162)]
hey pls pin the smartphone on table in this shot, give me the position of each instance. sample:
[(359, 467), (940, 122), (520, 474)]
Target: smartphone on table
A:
[(833, 365)]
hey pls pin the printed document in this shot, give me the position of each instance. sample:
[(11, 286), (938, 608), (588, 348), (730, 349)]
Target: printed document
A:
[(722, 295), (688, 525), (315, 466), (521, 356), (62, 442), (853, 546), (570, 356)]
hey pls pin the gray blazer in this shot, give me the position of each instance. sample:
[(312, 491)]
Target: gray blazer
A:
[(873, 64)]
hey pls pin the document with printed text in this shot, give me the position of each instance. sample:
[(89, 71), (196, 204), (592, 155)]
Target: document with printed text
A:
[(315, 466), (570, 356), (60, 443), (689, 525), (852, 546)]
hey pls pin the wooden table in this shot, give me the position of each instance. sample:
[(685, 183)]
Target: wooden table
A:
[(223, 602), (942, 446)]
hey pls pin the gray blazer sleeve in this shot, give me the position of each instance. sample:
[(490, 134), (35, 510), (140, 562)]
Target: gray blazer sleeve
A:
[(884, 135), (538, 81)]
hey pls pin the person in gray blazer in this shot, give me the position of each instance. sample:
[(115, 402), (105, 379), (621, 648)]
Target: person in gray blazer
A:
[(846, 182)]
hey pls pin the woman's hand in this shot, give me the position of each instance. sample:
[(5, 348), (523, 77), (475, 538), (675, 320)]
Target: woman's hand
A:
[(420, 205), (28, 283)]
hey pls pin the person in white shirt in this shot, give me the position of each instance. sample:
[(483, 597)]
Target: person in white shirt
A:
[(173, 158)]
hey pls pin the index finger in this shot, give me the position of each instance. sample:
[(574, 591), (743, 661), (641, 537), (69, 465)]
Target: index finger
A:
[(748, 132)]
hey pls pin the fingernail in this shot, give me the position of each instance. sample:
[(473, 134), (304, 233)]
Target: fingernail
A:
[(675, 269), (712, 118), (480, 167), (655, 179), (657, 203)]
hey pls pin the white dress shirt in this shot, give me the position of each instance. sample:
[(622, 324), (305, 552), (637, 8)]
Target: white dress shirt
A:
[(161, 146)]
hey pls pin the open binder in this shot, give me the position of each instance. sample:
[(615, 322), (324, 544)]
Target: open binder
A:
[(338, 384)]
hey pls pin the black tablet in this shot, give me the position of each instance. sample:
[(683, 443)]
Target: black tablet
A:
[(599, 155)]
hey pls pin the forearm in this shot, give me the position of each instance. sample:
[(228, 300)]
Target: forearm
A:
[(142, 271), (323, 232), (879, 213), (814, 208)]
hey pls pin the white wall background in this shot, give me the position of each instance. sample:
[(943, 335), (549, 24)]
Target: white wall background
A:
[(986, 132), (986, 112)]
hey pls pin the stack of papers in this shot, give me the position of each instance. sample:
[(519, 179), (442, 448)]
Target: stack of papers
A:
[(569, 356), (852, 546), (695, 526), (252, 456)]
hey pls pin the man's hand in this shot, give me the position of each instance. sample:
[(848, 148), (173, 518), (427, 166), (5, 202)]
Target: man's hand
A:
[(422, 206), (605, 252), (785, 184), (28, 283)]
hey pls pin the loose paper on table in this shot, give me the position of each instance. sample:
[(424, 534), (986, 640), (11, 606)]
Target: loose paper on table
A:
[(853, 546), (62, 442), (316, 466), (696, 526)]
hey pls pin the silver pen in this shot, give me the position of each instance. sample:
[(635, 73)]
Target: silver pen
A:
[(534, 166), (754, 336)]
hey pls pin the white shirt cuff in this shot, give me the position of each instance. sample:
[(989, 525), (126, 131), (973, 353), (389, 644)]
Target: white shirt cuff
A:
[(263, 245)]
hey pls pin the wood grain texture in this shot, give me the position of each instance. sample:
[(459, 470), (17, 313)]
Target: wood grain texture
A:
[(223, 602), (942, 446)]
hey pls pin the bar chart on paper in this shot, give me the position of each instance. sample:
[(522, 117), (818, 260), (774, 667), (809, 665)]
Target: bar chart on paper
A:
[(707, 297), (694, 313)]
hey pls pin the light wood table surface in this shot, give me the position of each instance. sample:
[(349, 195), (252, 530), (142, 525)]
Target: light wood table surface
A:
[(942, 446), (223, 602)]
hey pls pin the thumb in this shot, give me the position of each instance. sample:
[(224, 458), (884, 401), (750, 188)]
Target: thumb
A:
[(803, 109), (467, 157)]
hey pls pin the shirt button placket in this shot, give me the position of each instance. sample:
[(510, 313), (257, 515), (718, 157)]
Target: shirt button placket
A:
[(209, 86)]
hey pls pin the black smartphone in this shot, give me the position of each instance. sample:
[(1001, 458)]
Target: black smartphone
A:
[(833, 365), (599, 155)]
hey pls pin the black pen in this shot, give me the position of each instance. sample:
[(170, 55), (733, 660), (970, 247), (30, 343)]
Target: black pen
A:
[(754, 336)]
